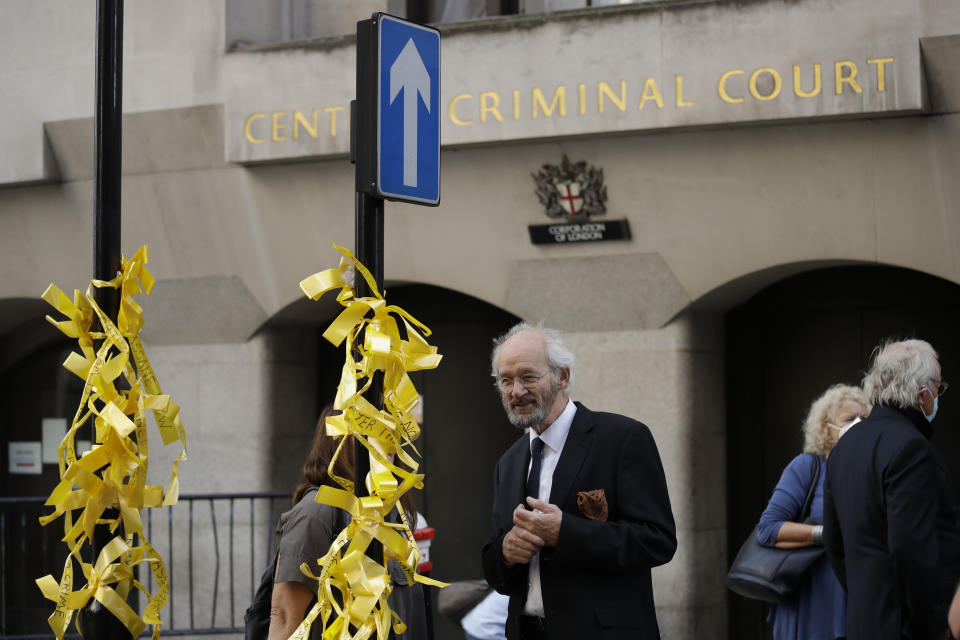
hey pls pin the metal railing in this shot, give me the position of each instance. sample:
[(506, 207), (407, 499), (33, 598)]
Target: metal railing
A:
[(215, 547)]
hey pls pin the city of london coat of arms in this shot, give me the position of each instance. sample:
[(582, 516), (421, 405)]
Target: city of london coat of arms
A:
[(571, 190)]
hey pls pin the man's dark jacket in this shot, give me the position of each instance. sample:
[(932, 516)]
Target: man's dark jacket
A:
[(596, 580), (890, 529)]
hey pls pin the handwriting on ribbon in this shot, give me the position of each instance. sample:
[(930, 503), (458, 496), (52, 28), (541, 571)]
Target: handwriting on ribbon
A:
[(370, 334), (119, 387)]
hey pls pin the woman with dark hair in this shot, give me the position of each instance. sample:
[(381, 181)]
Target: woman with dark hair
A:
[(305, 533)]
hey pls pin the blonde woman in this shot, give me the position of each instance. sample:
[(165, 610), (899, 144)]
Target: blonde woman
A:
[(815, 611)]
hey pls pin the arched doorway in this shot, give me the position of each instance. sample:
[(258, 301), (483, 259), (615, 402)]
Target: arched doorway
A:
[(465, 430), (791, 341), (39, 397), (34, 389)]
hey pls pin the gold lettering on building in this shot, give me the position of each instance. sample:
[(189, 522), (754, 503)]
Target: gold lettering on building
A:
[(603, 89), (798, 87), (680, 101), (850, 77), (277, 126), (777, 83), (734, 86), (299, 120), (558, 102), (490, 103), (333, 118), (453, 109), (881, 74), (247, 128), (722, 86), (650, 92)]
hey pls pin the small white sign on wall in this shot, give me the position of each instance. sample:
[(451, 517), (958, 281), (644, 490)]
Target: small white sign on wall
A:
[(53, 431), (25, 457)]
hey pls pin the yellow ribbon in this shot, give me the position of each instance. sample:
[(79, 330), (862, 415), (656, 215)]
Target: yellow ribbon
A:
[(113, 473), (371, 329)]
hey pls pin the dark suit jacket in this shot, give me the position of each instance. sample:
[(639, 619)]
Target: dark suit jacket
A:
[(890, 529), (596, 580)]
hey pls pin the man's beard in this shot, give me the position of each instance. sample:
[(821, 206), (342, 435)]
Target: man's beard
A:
[(541, 409)]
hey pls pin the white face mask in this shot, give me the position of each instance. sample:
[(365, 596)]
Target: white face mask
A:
[(844, 428), (933, 414)]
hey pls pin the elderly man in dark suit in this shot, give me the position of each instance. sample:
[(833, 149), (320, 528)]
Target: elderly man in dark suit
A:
[(581, 511), (889, 526)]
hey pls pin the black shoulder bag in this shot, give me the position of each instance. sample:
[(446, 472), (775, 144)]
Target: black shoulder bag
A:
[(768, 573), (257, 616)]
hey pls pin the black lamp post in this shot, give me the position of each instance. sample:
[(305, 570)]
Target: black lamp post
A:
[(95, 621), (108, 143)]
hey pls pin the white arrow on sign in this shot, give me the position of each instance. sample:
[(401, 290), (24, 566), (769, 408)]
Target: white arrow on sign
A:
[(409, 73)]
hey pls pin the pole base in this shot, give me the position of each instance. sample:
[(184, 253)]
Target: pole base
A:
[(97, 623)]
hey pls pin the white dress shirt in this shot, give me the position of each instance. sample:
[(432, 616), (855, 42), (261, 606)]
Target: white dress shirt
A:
[(553, 440), (487, 620)]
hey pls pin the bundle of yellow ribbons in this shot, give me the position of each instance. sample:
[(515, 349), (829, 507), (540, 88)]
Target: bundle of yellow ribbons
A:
[(108, 483), (369, 330)]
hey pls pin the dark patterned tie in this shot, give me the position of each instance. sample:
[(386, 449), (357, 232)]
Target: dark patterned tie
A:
[(533, 480)]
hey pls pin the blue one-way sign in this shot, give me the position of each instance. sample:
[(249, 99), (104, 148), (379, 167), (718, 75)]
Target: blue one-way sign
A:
[(408, 111)]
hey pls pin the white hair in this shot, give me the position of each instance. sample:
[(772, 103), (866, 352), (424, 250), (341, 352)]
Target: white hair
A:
[(900, 370), (558, 354), (822, 411)]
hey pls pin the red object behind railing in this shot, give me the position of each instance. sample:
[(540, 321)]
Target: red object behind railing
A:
[(424, 537), (425, 534)]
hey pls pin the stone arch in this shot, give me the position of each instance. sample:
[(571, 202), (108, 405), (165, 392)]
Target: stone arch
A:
[(790, 340), (465, 430), (33, 385)]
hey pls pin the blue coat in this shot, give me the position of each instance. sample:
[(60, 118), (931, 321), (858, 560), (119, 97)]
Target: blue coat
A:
[(816, 609)]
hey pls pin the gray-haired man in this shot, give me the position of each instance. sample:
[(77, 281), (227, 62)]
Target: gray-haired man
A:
[(889, 526), (581, 511)]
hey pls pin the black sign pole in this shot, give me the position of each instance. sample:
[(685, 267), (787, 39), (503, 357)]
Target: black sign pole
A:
[(369, 251), (368, 216), (94, 620), (369, 190), (107, 140)]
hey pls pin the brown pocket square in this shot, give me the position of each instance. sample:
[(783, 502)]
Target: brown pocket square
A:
[(593, 504)]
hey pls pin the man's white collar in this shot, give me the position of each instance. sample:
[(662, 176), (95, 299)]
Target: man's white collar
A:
[(556, 434)]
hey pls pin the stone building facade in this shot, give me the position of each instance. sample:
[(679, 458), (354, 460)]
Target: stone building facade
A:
[(787, 169)]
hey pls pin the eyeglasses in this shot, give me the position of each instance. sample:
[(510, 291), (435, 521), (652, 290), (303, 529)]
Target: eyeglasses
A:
[(942, 388), (528, 380)]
